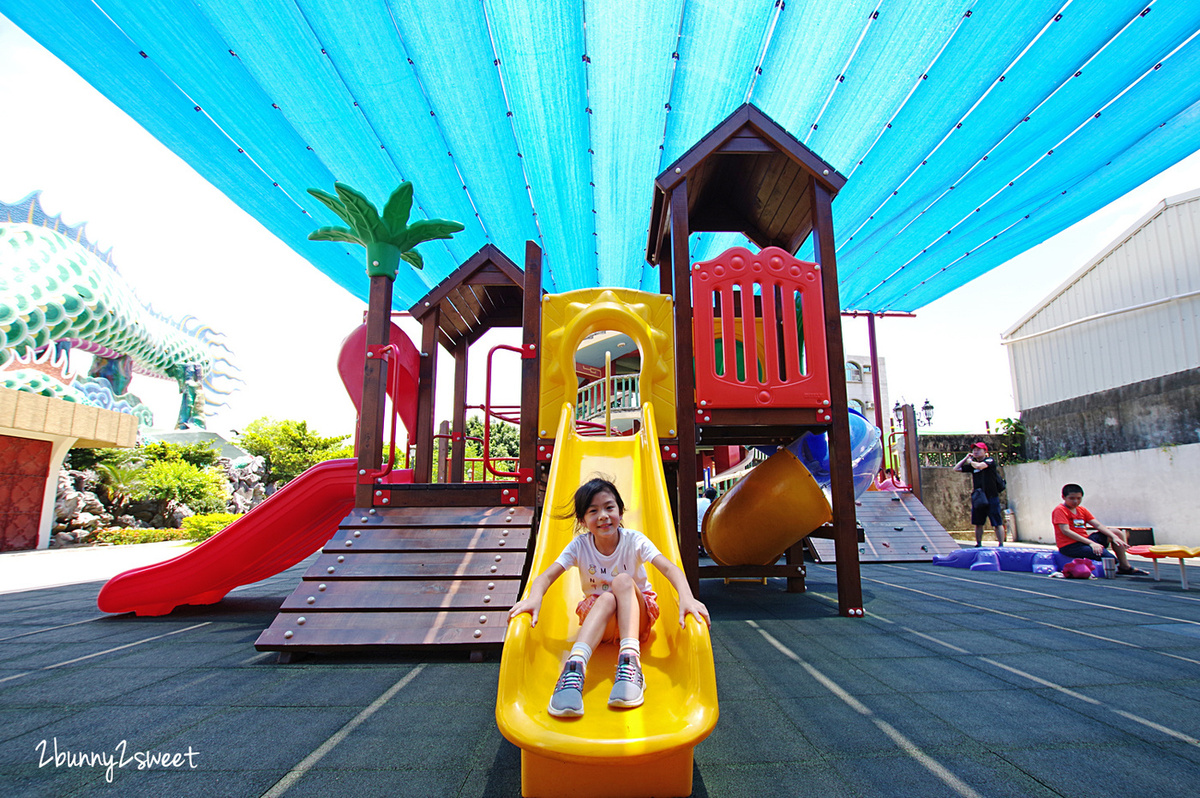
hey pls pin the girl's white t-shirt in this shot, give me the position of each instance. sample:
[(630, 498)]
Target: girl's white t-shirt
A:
[(596, 571)]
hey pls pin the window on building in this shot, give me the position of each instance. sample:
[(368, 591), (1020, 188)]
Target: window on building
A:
[(853, 371), (857, 405)]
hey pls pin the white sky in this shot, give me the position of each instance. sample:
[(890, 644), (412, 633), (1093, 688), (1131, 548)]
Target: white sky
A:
[(187, 249)]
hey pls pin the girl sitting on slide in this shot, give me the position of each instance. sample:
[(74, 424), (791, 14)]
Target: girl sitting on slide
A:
[(619, 604)]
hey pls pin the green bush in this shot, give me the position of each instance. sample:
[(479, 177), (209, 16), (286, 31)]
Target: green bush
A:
[(122, 537), (120, 480), (84, 459), (289, 447), (174, 482), (200, 454), (204, 526)]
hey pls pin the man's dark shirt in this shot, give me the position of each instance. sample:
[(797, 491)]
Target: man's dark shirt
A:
[(986, 478)]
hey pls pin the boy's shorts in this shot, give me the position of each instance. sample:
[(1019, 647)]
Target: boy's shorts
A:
[(1078, 550), (652, 611)]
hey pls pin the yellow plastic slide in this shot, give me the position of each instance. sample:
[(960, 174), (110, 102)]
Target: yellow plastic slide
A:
[(606, 753)]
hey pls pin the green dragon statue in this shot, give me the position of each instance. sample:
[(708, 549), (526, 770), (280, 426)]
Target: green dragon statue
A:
[(58, 292)]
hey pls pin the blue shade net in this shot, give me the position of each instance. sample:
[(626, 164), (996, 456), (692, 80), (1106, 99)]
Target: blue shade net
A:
[(968, 132)]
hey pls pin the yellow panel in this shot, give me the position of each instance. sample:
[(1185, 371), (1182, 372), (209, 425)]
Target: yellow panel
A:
[(569, 318), (653, 741)]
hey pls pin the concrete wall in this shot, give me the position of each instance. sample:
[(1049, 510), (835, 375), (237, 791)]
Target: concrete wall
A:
[(1150, 487), (1142, 415), (947, 495)]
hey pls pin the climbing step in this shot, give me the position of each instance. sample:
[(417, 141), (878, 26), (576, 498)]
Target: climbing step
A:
[(409, 576), (896, 528)]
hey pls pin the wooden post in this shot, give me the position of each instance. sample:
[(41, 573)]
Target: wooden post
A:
[(370, 420), (425, 396), (531, 337), (458, 450), (912, 450), (443, 472), (845, 535), (685, 386)]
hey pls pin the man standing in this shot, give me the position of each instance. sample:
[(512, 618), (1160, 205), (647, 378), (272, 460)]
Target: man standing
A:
[(985, 494)]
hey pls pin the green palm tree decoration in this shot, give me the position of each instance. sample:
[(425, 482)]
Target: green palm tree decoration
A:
[(389, 238)]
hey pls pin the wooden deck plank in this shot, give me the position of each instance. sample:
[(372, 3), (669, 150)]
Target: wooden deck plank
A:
[(383, 629), (362, 595), (427, 539), (418, 565), (440, 517)]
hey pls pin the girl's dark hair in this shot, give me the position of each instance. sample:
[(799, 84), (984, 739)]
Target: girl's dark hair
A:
[(587, 491)]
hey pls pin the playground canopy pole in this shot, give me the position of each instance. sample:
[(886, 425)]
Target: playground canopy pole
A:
[(878, 396)]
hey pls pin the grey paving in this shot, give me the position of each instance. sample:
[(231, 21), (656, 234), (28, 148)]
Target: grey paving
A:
[(956, 684)]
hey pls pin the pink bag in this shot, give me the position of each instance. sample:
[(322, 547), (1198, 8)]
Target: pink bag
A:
[(1078, 568)]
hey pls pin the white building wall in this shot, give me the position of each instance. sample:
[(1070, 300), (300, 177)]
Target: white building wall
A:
[(1131, 314), (1147, 487), (862, 391)]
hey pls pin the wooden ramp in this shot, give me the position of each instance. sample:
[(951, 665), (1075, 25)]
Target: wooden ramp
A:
[(409, 576), (896, 528)]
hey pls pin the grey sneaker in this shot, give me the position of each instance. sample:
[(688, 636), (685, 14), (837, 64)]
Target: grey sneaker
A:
[(567, 701), (629, 688)]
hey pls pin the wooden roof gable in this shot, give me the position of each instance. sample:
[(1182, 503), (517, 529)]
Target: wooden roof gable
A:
[(484, 292), (748, 175)]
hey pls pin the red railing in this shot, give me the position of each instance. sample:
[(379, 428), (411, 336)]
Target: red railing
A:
[(772, 304)]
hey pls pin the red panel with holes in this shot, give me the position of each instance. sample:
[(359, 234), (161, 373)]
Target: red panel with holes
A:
[(24, 465), (778, 360)]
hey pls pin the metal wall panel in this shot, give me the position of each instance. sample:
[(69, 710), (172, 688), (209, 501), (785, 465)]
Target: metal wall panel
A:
[(1155, 263)]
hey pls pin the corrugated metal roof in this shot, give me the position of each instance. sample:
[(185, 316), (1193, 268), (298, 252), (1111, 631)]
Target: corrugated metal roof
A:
[(1150, 216), (969, 131), (1130, 314)]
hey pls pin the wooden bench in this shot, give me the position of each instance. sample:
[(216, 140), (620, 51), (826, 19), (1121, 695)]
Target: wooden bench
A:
[(1155, 553)]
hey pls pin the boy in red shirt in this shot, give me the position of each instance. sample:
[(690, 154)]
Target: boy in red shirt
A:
[(1071, 521)]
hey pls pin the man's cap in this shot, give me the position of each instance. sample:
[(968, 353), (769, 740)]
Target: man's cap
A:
[(980, 445)]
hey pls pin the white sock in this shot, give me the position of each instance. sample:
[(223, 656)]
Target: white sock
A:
[(631, 645), (581, 652)]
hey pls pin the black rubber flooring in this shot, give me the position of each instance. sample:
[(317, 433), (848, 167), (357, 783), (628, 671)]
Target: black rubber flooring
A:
[(956, 684)]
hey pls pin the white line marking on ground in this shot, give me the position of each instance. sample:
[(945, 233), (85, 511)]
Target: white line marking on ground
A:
[(102, 653), (1031, 620), (1178, 735), (51, 628), (905, 744), (256, 658), (306, 764), (1056, 598), (833, 600), (1058, 687)]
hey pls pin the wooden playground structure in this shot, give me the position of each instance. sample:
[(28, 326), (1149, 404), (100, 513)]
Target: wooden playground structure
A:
[(419, 562)]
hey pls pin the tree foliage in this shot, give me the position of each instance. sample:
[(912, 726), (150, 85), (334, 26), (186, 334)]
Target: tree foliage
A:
[(505, 439), (201, 454), (289, 447), (175, 482)]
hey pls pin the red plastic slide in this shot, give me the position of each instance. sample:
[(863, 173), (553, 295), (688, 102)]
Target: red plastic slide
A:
[(274, 536)]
